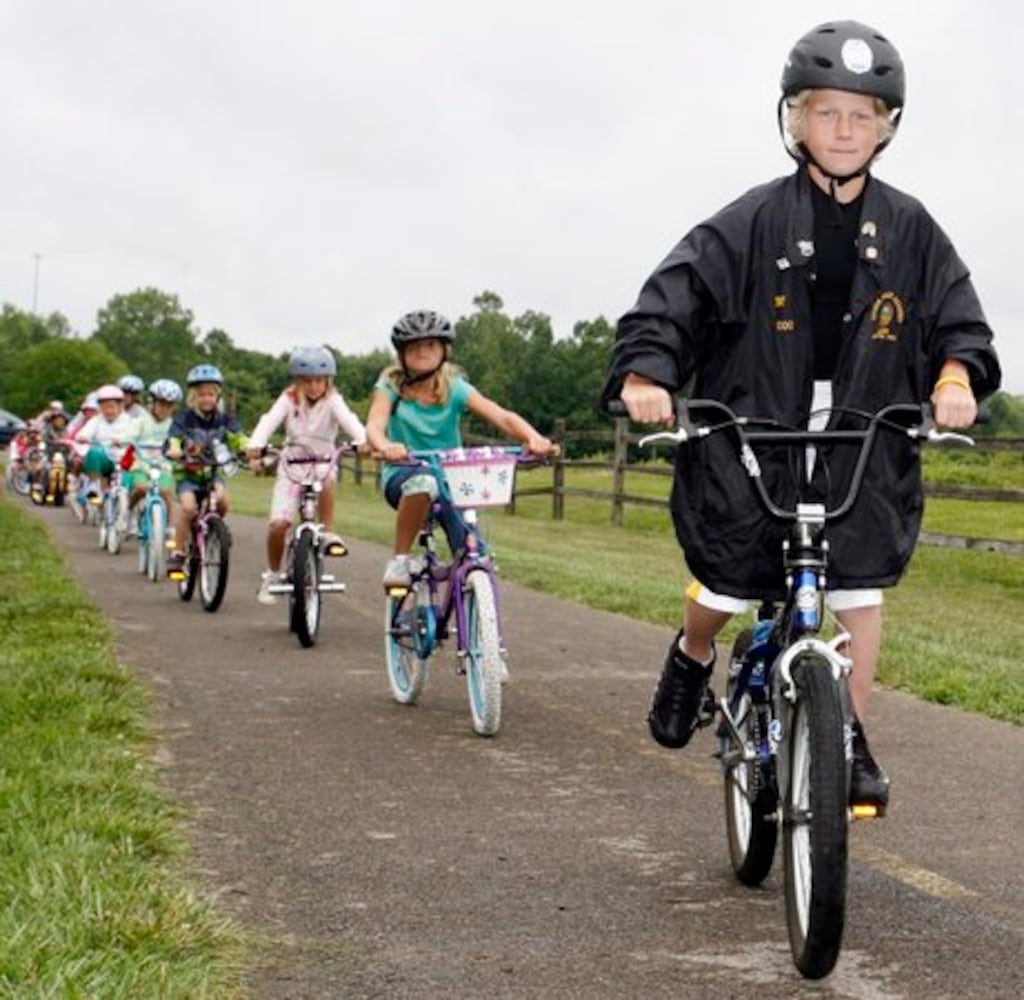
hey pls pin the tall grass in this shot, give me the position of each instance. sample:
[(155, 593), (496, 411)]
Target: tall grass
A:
[(94, 898)]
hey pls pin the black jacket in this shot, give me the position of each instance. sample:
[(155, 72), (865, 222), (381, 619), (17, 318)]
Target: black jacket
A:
[(730, 308)]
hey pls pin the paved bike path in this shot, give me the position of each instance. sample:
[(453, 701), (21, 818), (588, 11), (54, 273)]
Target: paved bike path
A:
[(386, 851)]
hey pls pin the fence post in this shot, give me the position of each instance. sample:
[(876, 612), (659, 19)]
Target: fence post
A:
[(558, 474), (619, 469)]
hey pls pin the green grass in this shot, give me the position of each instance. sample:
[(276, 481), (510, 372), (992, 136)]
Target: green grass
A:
[(94, 897), (954, 632)]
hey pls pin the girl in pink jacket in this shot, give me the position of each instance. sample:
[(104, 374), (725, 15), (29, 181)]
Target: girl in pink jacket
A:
[(312, 412)]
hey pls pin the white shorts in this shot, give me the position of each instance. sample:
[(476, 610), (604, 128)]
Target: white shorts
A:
[(285, 500), (837, 600)]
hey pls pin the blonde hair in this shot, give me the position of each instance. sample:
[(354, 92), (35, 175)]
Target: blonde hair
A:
[(440, 382), (301, 400), (796, 120), (190, 396)]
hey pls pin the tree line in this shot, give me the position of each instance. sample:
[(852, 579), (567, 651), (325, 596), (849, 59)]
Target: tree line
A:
[(516, 360)]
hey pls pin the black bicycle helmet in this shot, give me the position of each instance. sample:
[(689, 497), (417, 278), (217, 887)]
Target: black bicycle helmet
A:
[(850, 56), (421, 324), (846, 55)]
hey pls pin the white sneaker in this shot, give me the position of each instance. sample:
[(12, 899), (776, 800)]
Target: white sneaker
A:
[(267, 579), (396, 573)]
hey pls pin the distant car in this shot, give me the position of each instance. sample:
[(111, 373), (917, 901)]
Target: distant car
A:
[(9, 426)]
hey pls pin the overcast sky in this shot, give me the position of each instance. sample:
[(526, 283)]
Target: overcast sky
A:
[(308, 170)]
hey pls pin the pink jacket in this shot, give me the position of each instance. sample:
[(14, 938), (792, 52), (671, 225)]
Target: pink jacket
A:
[(307, 424)]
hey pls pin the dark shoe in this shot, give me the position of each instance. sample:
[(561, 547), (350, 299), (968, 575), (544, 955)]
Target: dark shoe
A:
[(680, 697), (176, 565), (869, 784)]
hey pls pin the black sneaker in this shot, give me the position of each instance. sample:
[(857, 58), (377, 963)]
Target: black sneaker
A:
[(679, 699), (176, 564), (869, 784)]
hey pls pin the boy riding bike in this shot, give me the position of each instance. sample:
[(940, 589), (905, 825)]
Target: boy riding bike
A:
[(190, 442), (824, 288), (151, 431)]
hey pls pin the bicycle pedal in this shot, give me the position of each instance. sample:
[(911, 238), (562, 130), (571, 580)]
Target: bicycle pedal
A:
[(176, 575), (399, 591), (336, 549)]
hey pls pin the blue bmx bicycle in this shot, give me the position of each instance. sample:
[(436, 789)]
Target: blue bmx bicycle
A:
[(784, 730), (459, 596)]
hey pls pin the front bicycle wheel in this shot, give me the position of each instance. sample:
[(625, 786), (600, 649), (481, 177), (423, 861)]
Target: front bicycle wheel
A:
[(409, 637), (750, 796), (143, 539), (306, 590), (483, 653), (117, 522), (156, 541), (213, 567), (187, 584), (815, 827)]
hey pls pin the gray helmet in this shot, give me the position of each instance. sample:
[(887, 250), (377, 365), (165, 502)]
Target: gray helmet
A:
[(422, 324), (166, 389), (846, 55), (313, 360), (130, 383)]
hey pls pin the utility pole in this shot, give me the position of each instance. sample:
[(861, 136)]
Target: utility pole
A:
[(35, 284)]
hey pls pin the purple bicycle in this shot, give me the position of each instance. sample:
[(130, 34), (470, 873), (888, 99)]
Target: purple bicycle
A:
[(462, 593)]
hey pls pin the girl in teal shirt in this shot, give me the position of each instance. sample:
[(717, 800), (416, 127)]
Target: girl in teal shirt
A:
[(418, 404)]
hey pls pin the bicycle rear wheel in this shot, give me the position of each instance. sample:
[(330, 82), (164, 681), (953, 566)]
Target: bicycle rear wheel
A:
[(306, 590), (483, 653), (751, 802), (815, 828), (409, 636), (156, 541), (213, 567)]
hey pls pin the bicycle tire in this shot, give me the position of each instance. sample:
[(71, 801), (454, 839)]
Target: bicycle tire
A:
[(104, 521), (187, 585), (409, 636), (156, 541), (144, 523), (751, 802), (483, 653), (22, 482), (305, 606), (117, 513), (815, 827), (59, 487), (213, 569)]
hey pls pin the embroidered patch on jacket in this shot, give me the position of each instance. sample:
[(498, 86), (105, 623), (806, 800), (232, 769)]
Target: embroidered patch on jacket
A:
[(783, 323), (887, 313)]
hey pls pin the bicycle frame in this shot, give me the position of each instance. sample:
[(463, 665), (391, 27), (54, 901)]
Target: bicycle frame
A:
[(446, 582), (312, 470)]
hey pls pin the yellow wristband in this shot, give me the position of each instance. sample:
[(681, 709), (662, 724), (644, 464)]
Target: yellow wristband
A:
[(952, 380)]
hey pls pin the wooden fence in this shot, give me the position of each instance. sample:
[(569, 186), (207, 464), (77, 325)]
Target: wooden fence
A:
[(618, 499)]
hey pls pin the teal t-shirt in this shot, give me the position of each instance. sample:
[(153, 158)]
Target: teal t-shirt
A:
[(426, 427)]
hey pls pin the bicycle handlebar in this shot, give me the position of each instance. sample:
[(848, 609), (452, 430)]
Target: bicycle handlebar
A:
[(745, 437)]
